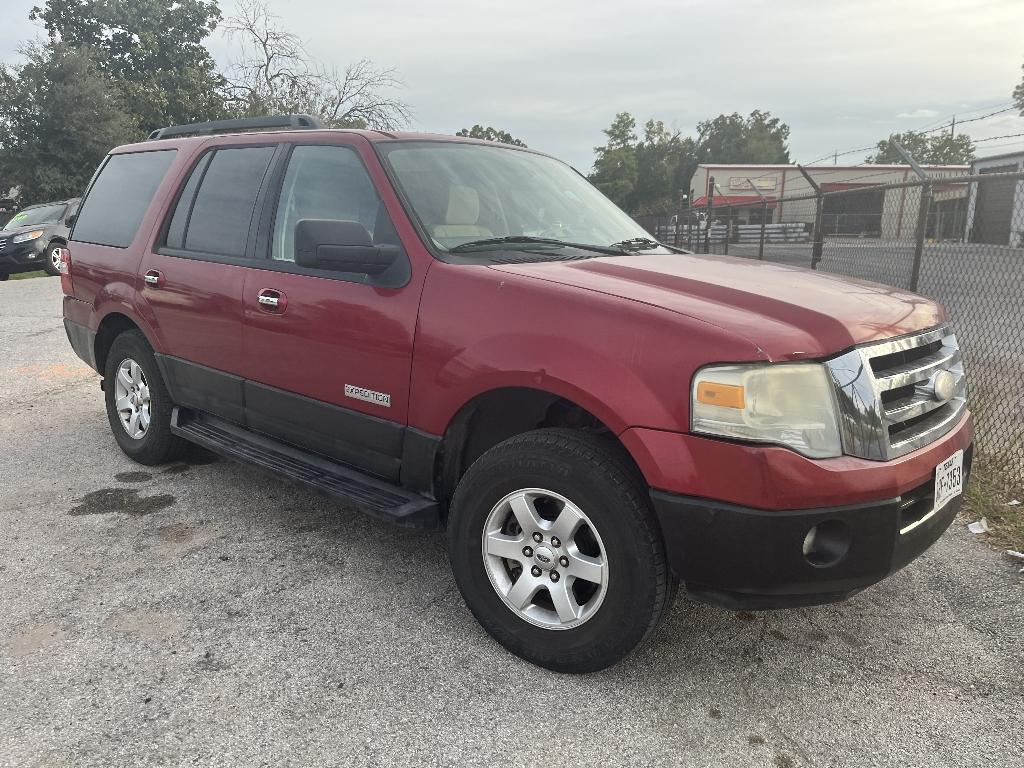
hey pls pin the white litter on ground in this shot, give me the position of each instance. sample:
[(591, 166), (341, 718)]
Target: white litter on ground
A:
[(980, 526), (1015, 553), (1014, 503)]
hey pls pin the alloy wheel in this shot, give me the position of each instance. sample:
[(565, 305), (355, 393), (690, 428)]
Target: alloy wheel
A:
[(131, 398), (545, 559)]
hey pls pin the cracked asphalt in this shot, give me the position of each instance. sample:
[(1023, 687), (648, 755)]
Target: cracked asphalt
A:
[(206, 614)]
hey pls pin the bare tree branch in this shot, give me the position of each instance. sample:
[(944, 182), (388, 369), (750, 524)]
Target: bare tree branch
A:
[(274, 73)]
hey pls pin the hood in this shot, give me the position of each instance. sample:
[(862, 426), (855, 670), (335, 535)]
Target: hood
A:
[(791, 313)]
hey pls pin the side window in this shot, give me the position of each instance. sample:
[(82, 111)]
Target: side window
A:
[(327, 182), (119, 197), (216, 206)]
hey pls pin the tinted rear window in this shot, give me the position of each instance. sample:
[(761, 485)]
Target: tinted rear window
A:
[(226, 199), (118, 199)]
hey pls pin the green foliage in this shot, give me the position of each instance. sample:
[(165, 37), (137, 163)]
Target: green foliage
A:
[(491, 134), (933, 149), (759, 138), (62, 116), (615, 170), (151, 49), (648, 173)]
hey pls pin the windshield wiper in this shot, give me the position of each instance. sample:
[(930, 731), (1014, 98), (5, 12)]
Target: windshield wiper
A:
[(479, 245), (636, 244)]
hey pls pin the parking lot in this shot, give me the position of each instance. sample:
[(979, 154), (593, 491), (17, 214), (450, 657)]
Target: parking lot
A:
[(206, 614)]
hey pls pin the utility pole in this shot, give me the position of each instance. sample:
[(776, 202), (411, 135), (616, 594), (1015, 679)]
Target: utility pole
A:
[(952, 128)]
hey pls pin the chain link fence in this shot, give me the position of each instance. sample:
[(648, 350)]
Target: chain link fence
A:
[(959, 240)]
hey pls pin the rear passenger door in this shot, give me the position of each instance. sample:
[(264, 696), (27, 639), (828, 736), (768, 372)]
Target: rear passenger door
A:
[(192, 283), (328, 367)]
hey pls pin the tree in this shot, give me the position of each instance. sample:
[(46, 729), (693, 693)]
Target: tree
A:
[(491, 134), (936, 149), (759, 138), (615, 169), (152, 50), (62, 116), (275, 74), (665, 163)]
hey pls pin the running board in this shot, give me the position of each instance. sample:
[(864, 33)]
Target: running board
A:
[(375, 497)]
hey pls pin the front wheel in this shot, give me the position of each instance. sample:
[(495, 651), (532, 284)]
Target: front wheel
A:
[(52, 263), (557, 552)]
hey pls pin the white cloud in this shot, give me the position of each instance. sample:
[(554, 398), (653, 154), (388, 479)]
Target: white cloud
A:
[(919, 114)]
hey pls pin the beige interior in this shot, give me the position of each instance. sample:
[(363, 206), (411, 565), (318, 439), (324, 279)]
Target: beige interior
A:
[(462, 215)]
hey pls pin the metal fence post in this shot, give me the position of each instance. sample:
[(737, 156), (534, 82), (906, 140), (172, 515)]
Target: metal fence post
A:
[(819, 209), (677, 234), (919, 235), (764, 217), (707, 223), (924, 205)]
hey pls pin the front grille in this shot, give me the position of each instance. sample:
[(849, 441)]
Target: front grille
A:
[(3, 244), (898, 395)]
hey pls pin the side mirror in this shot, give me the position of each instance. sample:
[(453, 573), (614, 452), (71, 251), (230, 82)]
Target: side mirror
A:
[(69, 222), (342, 246)]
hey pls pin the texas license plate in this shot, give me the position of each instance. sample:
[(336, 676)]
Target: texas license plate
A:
[(949, 479)]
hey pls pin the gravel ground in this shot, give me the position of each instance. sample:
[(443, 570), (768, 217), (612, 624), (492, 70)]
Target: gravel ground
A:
[(206, 614)]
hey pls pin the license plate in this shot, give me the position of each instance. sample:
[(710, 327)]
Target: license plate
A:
[(949, 479)]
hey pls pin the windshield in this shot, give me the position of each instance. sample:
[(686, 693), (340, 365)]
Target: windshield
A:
[(462, 193), (46, 214)]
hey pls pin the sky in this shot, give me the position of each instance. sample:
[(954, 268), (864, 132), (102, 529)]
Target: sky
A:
[(842, 74)]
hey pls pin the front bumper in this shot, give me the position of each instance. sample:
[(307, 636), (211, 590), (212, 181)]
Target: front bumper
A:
[(745, 558), (23, 256)]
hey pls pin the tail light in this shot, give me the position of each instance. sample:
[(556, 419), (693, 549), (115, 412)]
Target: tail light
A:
[(65, 272)]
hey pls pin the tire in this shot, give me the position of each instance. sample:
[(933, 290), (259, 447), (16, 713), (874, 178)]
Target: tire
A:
[(575, 473), (154, 444), (49, 266)]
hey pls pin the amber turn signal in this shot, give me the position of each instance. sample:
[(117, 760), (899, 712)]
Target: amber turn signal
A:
[(725, 395)]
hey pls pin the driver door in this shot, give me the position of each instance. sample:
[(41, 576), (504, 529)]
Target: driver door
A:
[(328, 353)]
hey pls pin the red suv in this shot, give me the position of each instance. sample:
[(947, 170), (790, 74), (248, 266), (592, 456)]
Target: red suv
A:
[(454, 334)]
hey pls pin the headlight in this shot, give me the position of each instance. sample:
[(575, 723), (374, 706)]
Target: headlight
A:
[(24, 237), (790, 404)]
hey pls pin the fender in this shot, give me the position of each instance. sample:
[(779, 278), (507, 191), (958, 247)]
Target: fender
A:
[(628, 363)]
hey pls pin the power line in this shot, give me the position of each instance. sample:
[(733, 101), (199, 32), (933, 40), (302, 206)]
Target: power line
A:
[(944, 120), (970, 120)]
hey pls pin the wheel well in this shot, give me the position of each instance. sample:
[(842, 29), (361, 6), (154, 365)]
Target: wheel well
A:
[(495, 416), (113, 325)]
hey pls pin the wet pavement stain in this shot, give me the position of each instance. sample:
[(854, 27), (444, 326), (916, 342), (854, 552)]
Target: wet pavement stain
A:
[(132, 477), (176, 533), (176, 469), (755, 740), (211, 664), (123, 500)]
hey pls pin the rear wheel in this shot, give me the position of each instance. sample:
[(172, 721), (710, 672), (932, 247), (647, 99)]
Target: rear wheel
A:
[(556, 550), (52, 262), (138, 404)]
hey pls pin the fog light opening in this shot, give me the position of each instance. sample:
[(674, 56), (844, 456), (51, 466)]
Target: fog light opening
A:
[(826, 543)]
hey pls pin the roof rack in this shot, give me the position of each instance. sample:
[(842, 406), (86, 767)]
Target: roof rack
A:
[(292, 122)]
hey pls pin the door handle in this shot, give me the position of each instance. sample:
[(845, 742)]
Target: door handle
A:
[(272, 301), (154, 277)]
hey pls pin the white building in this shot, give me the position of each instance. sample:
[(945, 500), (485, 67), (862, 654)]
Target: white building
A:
[(995, 209), (863, 211)]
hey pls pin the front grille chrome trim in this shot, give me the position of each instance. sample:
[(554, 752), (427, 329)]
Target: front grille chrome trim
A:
[(872, 425)]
